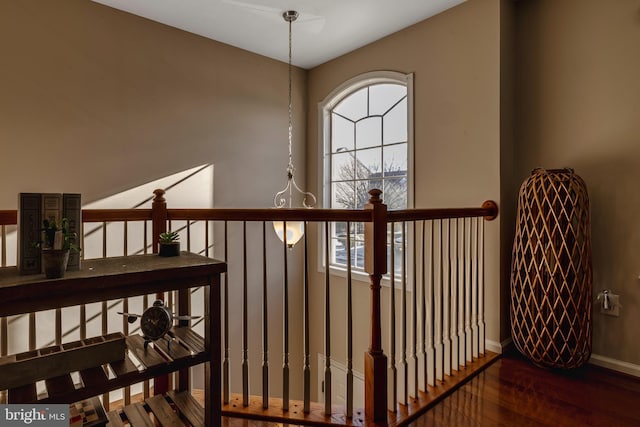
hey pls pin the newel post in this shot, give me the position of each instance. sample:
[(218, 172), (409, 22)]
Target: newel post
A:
[(158, 218), (159, 225), (375, 264)]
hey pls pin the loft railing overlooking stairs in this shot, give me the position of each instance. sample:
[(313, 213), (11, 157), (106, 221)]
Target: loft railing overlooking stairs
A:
[(424, 318)]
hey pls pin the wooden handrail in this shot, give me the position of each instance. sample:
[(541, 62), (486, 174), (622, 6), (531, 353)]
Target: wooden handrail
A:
[(489, 211), (8, 217), (102, 215), (273, 214)]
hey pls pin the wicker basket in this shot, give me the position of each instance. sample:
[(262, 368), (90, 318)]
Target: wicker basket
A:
[(551, 290)]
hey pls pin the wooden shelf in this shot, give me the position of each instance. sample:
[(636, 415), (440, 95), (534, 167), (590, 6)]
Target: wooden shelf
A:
[(118, 277), (176, 409), (139, 364)]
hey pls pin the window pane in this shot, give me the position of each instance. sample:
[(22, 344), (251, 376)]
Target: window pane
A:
[(354, 106), (369, 132), (343, 195), (368, 163), (342, 133), (395, 160), (394, 193), (395, 124), (342, 167), (382, 97)]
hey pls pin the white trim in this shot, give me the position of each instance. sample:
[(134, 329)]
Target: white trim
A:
[(338, 374), (615, 365), (497, 347)]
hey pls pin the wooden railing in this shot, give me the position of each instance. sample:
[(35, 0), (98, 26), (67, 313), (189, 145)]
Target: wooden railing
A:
[(439, 289)]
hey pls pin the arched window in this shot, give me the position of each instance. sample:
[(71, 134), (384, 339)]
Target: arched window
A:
[(367, 143)]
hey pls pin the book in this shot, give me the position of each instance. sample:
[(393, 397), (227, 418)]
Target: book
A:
[(52, 207), (29, 232), (72, 210)]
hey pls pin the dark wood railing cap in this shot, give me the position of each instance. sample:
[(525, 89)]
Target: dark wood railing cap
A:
[(375, 196), (159, 195), (493, 210)]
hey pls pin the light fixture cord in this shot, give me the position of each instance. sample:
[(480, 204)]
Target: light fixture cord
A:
[(290, 168)]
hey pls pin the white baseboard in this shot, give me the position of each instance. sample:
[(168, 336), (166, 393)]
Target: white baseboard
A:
[(615, 365), (497, 347)]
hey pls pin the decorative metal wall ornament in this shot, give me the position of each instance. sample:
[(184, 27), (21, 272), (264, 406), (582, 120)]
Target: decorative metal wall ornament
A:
[(551, 277), (284, 198)]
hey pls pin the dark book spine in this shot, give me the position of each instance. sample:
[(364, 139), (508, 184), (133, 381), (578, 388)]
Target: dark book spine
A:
[(72, 210), (29, 232), (52, 207)]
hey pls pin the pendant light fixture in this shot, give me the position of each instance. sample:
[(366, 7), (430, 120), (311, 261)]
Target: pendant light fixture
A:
[(284, 198)]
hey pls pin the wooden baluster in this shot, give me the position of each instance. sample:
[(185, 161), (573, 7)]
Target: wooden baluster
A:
[(481, 295), (226, 394), (58, 326), (467, 294), (453, 270), (375, 364), (3, 261), (439, 310), (431, 351), (446, 298), (307, 357), (265, 322), (474, 287), (423, 302), (327, 322), (4, 344), (285, 321), (188, 235), (32, 331), (125, 306), (393, 371), (415, 314), (245, 320), (462, 339), (146, 238), (206, 238), (404, 369), (349, 327), (104, 313)]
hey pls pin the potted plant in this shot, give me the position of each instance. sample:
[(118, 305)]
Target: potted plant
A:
[(56, 244), (169, 243)]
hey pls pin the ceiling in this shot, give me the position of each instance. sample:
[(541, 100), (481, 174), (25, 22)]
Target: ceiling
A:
[(325, 29)]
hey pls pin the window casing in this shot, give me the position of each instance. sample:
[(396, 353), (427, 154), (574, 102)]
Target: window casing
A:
[(367, 135)]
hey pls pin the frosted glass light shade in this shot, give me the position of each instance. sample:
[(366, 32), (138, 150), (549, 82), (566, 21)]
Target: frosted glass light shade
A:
[(295, 231)]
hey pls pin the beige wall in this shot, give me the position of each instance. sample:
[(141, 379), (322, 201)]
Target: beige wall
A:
[(578, 105), (455, 58), (96, 101)]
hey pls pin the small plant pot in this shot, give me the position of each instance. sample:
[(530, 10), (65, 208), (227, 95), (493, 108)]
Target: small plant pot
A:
[(54, 262), (169, 249)]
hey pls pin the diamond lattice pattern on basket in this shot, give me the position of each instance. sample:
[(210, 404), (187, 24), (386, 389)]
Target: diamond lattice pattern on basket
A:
[(551, 270)]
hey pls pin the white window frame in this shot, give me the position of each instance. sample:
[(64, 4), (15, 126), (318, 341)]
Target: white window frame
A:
[(324, 137)]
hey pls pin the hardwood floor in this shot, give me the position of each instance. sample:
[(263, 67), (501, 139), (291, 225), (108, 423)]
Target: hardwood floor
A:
[(514, 392)]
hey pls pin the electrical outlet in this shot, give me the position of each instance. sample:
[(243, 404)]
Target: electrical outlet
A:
[(614, 306)]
